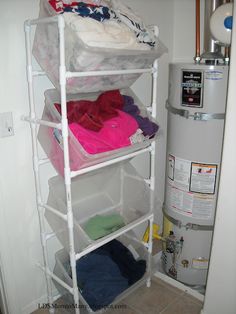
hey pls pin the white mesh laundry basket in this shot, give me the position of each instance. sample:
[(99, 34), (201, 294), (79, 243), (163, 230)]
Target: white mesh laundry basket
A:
[(117, 189), (62, 270), (51, 139), (80, 57)]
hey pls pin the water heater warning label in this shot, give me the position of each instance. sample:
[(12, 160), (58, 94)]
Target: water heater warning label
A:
[(192, 88), (191, 187), (203, 178)]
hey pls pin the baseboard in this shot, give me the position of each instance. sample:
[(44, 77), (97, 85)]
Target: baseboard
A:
[(159, 273), (179, 285), (28, 309)]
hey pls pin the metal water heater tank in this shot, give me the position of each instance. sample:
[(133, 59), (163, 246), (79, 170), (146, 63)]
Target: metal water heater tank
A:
[(196, 111)]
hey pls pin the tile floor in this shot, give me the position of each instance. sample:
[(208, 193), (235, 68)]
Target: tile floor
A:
[(161, 298)]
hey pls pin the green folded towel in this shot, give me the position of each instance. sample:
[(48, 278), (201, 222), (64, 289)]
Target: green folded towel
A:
[(102, 225)]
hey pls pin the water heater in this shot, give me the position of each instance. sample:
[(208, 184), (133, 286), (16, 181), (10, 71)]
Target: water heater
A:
[(196, 111)]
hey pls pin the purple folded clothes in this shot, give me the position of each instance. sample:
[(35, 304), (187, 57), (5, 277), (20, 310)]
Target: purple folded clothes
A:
[(148, 127)]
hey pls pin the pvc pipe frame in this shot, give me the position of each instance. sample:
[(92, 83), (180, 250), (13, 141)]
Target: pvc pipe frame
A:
[(35, 157), (67, 172)]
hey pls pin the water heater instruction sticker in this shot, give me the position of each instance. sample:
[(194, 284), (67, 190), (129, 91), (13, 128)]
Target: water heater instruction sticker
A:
[(203, 178), (191, 187), (214, 75), (200, 263)]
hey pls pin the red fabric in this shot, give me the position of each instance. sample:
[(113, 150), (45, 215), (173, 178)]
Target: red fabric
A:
[(59, 5), (92, 114)]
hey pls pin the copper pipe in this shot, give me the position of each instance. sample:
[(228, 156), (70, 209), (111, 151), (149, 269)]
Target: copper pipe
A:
[(197, 56), (227, 55), (226, 52)]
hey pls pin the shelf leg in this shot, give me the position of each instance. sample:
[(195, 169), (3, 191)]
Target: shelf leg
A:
[(67, 170), (36, 157), (149, 266), (152, 168), (148, 282)]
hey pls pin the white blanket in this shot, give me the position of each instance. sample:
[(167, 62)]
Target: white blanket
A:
[(108, 34)]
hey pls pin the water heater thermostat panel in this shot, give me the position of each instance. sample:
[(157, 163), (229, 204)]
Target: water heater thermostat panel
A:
[(192, 88)]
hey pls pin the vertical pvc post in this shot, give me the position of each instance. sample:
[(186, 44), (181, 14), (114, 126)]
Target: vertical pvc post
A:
[(33, 127), (152, 166), (151, 220), (154, 115), (67, 173)]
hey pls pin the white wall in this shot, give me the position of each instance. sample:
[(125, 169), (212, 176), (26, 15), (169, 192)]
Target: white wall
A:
[(19, 232), (159, 13), (221, 283)]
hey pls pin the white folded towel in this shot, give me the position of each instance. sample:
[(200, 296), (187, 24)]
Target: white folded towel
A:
[(106, 34)]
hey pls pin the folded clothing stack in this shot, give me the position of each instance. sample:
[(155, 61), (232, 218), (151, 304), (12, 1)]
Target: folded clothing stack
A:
[(109, 24), (100, 35), (110, 122), (99, 226), (106, 272)]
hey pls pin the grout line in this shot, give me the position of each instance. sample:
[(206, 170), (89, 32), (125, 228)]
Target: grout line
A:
[(175, 300), (179, 285), (193, 299), (168, 286), (181, 298), (134, 309)]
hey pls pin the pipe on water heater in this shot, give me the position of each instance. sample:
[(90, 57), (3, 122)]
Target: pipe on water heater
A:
[(197, 55), (211, 49)]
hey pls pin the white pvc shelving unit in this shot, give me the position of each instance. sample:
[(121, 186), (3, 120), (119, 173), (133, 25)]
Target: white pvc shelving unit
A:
[(68, 174)]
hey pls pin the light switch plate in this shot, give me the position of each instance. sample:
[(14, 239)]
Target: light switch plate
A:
[(6, 124)]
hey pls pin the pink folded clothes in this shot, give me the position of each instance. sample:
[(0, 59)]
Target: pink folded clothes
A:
[(116, 133)]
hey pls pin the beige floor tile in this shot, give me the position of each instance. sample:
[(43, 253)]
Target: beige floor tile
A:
[(57, 311), (159, 298), (184, 305), (165, 284), (152, 300), (123, 309), (192, 299), (157, 246), (41, 311)]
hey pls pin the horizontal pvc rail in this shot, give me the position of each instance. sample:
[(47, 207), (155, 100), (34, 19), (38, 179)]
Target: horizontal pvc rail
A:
[(109, 162), (116, 234), (38, 73), (46, 20), (43, 122), (54, 211), (49, 235), (57, 279), (43, 161), (111, 72)]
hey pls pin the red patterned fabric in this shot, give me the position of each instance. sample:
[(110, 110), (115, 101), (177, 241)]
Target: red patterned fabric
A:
[(92, 114), (59, 5)]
